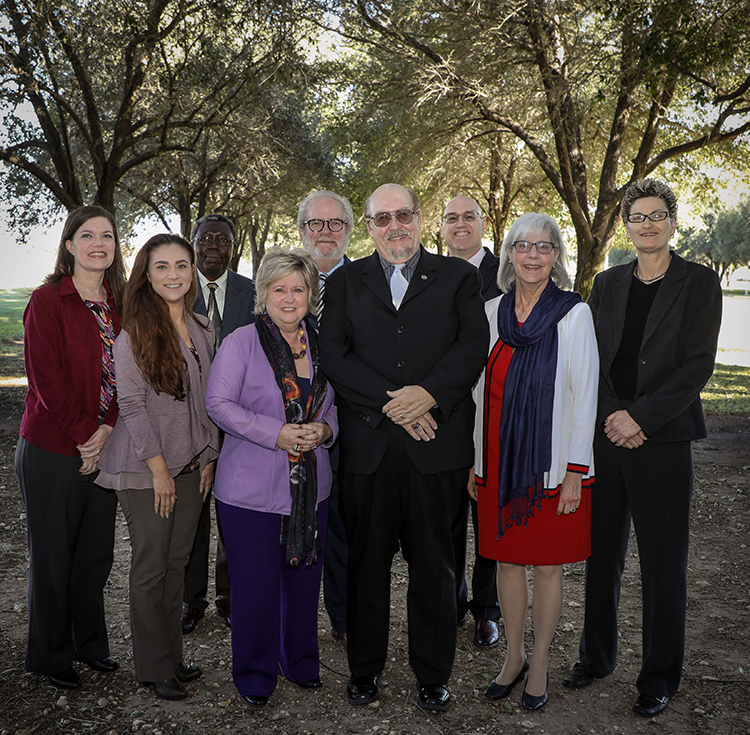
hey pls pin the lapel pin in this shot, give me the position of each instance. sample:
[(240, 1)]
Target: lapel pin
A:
[(424, 277)]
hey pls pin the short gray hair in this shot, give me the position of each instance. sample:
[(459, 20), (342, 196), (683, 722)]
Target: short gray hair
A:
[(280, 262), (304, 206), (648, 188), (213, 218), (526, 225)]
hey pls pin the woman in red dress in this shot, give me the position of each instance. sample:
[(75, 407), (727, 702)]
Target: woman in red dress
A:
[(536, 407)]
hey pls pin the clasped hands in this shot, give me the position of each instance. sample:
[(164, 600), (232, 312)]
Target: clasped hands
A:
[(91, 450), (297, 438), (623, 431), (409, 407)]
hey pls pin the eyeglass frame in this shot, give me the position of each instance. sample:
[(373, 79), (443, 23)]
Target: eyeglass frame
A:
[(210, 239), (326, 223), (412, 213), (649, 217), (462, 216), (535, 245)]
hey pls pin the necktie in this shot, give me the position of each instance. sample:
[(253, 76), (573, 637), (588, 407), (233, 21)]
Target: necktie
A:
[(213, 313), (322, 284), (399, 284)]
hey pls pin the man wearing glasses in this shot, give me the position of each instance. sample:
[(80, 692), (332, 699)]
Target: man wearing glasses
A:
[(325, 222), (402, 340), (462, 228), (228, 300)]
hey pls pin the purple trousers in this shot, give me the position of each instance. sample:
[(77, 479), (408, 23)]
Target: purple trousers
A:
[(274, 607)]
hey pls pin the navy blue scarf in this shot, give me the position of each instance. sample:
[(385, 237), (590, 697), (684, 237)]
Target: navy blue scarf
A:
[(528, 396)]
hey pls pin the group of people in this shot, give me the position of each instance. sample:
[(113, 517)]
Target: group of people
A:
[(345, 410)]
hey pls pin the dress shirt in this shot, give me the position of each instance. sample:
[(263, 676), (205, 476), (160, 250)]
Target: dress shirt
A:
[(477, 258), (221, 291)]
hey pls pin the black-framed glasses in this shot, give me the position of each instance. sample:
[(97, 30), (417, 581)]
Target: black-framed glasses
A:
[(658, 216), (221, 240), (317, 225), (544, 247), (451, 218), (402, 216)]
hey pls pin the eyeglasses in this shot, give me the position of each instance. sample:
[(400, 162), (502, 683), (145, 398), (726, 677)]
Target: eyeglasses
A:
[(383, 219), (452, 217), (656, 216), (221, 240), (543, 247), (317, 225)]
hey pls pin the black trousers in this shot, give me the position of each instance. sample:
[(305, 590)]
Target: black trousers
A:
[(337, 554), (483, 603), (653, 485), (398, 506), (70, 523)]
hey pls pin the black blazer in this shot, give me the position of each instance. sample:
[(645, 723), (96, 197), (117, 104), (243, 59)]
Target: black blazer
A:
[(488, 270), (678, 350), (239, 304), (437, 339)]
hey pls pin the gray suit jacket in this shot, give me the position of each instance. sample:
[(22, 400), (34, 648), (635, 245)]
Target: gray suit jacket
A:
[(238, 304)]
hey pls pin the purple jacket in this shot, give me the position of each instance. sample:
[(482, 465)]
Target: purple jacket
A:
[(245, 401)]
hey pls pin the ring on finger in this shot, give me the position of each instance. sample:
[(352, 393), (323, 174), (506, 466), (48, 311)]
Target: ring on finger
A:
[(415, 426)]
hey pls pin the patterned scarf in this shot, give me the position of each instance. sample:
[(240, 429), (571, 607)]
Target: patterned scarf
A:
[(528, 396), (100, 309), (299, 530)]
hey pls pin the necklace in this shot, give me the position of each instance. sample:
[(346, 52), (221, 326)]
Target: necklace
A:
[(655, 278), (303, 342)]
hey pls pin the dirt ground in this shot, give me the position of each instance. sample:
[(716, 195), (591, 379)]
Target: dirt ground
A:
[(714, 696)]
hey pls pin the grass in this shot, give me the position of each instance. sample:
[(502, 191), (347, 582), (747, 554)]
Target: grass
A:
[(728, 391)]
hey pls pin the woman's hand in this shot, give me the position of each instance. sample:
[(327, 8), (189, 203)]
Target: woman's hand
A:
[(291, 437), (89, 465), (207, 478), (623, 431), (570, 493), (471, 485), (165, 495), (93, 447)]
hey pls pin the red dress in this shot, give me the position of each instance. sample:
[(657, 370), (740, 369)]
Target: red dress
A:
[(548, 538)]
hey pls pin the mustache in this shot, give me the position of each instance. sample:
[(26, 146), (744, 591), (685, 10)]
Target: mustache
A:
[(396, 233)]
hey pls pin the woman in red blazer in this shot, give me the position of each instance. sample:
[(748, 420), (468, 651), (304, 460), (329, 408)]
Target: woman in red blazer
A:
[(70, 325)]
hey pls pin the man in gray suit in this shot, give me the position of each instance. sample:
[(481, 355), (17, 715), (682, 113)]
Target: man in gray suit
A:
[(228, 299)]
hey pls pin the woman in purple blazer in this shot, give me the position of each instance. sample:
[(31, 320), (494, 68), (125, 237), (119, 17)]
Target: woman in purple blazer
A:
[(266, 391)]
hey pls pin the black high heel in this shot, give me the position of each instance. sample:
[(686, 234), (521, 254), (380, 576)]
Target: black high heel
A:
[(532, 703), (500, 691)]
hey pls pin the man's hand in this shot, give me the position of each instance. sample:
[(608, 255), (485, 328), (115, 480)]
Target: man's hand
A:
[(408, 404)]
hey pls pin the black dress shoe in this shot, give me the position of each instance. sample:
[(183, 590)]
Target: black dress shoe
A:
[(187, 672), (578, 677), (225, 612), (648, 706), (500, 691), (315, 683), (363, 689), (67, 679), (486, 633), (169, 689), (256, 700), (189, 619), (434, 697), (106, 664), (532, 703)]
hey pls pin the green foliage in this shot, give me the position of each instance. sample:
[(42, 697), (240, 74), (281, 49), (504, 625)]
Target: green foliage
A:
[(728, 391), (12, 304)]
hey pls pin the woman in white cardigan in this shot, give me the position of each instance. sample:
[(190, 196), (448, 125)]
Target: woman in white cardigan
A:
[(536, 408)]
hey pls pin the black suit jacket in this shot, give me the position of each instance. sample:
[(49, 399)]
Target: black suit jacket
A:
[(437, 339), (488, 270), (677, 354), (239, 304)]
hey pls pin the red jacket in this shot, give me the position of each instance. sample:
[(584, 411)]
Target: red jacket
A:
[(63, 355)]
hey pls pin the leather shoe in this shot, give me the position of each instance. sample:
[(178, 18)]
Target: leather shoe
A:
[(67, 679), (169, 689), (500, 691), (106, 664), (363, 689), (486, 634), (532, 703), (578, 677), (648, 706), (187, 672), (256, 700), (190, 618), (315, 683), (225, 612), (339, 636), (434, 697)]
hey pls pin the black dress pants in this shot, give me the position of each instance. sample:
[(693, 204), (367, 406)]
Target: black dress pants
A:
[(653, 485), (398, 506)]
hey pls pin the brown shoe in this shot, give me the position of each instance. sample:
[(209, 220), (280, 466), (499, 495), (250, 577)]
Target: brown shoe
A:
[(169, 689), (339, 636), (486, 634), (190, 618)]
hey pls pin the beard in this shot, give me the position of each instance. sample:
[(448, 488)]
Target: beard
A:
[(403, 253)]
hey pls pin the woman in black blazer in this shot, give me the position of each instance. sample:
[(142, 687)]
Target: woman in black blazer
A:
[(657, 324)]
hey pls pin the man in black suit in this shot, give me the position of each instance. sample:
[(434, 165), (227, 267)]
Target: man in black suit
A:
[(228, 299), (462, 228), (403, 339), (325, 222)]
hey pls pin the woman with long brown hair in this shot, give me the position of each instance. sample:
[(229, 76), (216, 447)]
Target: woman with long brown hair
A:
[(160, 458), (70, 326)]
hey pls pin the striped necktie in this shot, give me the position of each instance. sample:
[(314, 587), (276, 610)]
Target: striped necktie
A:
[(322, 286), (213, 313)]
